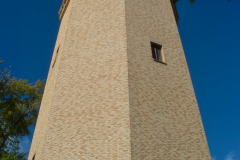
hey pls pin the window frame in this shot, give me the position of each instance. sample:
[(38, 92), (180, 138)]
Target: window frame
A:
[(157, 52), (55, 58)]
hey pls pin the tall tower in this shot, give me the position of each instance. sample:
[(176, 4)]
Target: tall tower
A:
[(118, 86)]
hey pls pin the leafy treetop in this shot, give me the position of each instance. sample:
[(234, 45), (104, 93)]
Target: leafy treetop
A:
[(19, 103)]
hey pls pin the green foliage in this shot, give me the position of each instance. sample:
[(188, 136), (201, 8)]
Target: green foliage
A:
[(13, 156), (19, 103)]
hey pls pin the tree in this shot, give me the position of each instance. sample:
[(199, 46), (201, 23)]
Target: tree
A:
[(19, 103), (13, 156)]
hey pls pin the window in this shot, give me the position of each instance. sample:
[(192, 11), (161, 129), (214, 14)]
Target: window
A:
[(174, 6), (63, 8), (157, 52), (33, 157), (55, 59)]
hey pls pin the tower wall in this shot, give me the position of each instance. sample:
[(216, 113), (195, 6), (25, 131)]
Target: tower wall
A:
[(165, 119), (41, 127), (88, 107), (106, 98)]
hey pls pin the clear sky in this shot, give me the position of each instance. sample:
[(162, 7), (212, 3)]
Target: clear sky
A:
[(210, 32)]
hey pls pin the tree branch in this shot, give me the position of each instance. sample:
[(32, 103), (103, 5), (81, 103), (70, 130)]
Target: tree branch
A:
[(3, 142), (20, 118)]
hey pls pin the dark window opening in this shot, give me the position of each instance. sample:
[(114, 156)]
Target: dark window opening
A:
[(174, 6), (55, 59), (33, 157), (63, 8), (58, 49), (157, 53)]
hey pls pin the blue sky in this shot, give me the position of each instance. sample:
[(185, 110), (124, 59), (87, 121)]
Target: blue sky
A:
[(210, 32)]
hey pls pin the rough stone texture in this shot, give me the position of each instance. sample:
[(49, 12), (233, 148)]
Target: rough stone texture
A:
[(87, 116), (165, 119), (44, 113), (106, 98)]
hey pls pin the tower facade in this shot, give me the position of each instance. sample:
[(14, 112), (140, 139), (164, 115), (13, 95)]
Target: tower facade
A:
[(119, 87)]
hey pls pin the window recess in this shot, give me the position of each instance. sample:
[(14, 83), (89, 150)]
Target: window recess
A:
[(157, 53), (174, 6), (55, 59), (34, 157), (63, 9)]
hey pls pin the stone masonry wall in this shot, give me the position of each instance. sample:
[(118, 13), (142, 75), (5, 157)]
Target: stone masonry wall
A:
[(88, 117), (41, 125), (165, 119), (106, 98)]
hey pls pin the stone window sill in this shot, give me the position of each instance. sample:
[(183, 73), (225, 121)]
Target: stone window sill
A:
[(160, 62)]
